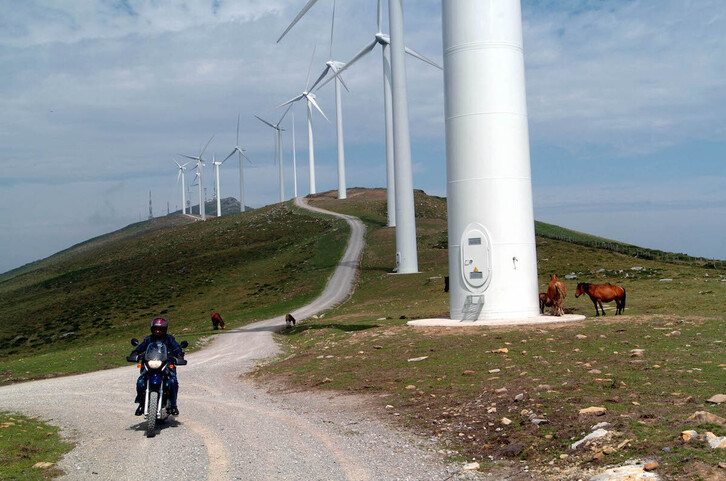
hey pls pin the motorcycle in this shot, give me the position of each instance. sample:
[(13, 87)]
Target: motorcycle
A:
[(157, 362)]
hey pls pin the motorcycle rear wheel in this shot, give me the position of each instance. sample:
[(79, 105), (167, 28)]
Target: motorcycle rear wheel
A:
[(151, 416)]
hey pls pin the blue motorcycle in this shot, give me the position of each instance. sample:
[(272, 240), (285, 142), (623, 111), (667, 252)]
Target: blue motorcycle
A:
[(156, 364)]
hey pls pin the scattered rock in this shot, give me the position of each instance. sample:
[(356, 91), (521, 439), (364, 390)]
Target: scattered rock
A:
[(600, 433), (597, 411), (503, 350), (705, 417), (506, 421), (494, 371), (571, 276), (722, 465), (602, 425), (650, 466), (716, 442), (519, 397), (468, 372), (43, 465), (410, 387), (717, 399), (501, 390), (688, 436), (377, 347), (581, 336), (674, 333), (416, 359), (665, 280), (471, 466), (625, 473), (637, 352)]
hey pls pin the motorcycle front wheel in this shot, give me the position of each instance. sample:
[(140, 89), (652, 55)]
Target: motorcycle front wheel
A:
[(151, 416)]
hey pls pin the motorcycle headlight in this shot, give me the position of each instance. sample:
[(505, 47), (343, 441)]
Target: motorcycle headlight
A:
[(154, 364)]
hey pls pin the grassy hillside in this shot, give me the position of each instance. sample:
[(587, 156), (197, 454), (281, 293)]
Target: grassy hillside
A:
[(651, 368), (90, 299)]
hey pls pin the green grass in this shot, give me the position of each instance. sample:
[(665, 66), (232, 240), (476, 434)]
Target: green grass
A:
[(26, 441), (364, 347), (257, 265), (76, 312)]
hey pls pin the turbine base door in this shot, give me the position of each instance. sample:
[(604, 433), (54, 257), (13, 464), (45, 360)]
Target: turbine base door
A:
[(476, 258)]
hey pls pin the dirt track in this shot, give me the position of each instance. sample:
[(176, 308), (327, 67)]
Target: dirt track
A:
[(228, 429)]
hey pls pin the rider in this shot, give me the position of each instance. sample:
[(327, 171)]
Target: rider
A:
[(159, 327)]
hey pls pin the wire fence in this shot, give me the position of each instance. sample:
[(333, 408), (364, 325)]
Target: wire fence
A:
[(642, 253)]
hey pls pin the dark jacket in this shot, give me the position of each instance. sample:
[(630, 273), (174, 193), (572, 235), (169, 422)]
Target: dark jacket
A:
[(171, 344)]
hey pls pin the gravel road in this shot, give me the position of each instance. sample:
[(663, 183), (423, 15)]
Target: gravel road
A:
[(228, 428)]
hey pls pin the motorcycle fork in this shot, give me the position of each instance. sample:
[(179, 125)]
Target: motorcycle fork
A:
[(146, 403)]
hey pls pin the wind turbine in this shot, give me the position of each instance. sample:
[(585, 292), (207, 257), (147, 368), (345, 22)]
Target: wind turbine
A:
[(242, 156), (200, 173), (334, 66), (182, 168), (278, 149), (310, 97), (384, 41), (216, 165)]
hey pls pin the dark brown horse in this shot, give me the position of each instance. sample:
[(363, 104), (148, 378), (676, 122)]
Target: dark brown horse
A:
[(600, 293), (544, 301)]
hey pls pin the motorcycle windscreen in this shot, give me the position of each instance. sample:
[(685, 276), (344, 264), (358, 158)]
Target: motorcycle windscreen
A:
[(156, 352)]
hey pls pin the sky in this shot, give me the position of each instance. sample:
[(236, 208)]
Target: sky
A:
[(626, 102)]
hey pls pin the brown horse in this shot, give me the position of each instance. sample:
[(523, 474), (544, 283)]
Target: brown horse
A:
[(603, 292), (544, 301), (557, 291)]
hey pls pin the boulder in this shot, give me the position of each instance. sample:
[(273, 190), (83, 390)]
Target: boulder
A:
[(593, 410)]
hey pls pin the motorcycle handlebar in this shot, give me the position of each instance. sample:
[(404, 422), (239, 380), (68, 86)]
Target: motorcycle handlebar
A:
[(133, 358)]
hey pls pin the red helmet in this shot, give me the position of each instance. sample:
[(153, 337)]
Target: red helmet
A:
[(159, 326)]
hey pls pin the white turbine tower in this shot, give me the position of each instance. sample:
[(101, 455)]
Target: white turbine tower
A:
[(200, 173), (294, 160), (180, 175), (492, 254), (216, 165), (242, 156), (334, 66), (310, 97), (278, 149)]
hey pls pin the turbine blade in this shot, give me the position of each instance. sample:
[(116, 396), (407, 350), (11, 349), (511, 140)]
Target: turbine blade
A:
[(230, 155), (277, 126), (360, 54), (310, 67), (248, 159), (189, 157), (205, 147), (414, 53), (379, 15), (294, 99), (237, 143), (322, 75), (265, 121), (177, 163), (297, 18), (332, 27), (178, 176), (315, 104)]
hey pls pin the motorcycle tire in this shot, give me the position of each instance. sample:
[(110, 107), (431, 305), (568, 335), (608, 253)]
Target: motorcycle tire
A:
[(151, 417)]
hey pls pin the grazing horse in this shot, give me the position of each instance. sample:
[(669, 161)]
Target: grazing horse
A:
[(289, 320), (557, 291), (544, 301), (603, 292)]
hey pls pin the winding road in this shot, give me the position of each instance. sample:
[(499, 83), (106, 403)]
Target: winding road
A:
[(228, 428)]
